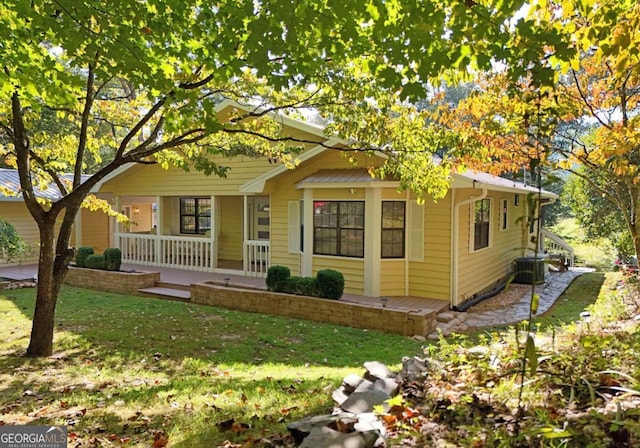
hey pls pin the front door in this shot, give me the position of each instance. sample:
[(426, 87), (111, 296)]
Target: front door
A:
[(259, 220)]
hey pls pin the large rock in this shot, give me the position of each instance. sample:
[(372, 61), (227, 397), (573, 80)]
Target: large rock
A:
[(359, 402), (303, 428), (329, 438), (377, 370)]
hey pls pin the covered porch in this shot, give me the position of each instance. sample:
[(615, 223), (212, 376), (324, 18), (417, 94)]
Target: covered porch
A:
[(214, 234)]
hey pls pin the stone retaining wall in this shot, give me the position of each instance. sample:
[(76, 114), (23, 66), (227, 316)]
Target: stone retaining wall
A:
[(112, 281), (406, 323)]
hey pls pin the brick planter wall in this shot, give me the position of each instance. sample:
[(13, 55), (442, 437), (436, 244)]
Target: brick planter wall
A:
[(112, 281), (406, 323)]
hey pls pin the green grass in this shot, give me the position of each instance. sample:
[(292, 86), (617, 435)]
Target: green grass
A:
[(128, 367)]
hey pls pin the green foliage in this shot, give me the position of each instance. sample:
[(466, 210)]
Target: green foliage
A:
[(304, 286), (112, 259), (330, 283), (277, 277), (96, 262), (81, 256), (11, 244)]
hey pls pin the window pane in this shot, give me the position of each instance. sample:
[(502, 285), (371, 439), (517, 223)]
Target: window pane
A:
[(326, 241), (352, 243), (393, 214), (187, 224), (187, 206), (392, 243), (204, 224)]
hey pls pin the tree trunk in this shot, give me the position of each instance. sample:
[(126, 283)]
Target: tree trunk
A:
[(49, 282)]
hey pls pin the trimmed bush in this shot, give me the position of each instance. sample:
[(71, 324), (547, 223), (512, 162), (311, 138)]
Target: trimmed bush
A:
[(82, 255), (305, 286), (112, 259), (96, 262), (277, 278), (330, 284)]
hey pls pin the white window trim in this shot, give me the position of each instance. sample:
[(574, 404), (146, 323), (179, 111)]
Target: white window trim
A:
[(472, 229)]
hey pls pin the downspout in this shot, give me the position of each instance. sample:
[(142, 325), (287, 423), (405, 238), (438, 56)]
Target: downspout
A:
[(454, 255)]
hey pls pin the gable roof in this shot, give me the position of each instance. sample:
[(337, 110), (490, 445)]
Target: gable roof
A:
[(10, 179)]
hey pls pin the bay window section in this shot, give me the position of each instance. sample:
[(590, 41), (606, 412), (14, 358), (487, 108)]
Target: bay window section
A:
[(338, 228)]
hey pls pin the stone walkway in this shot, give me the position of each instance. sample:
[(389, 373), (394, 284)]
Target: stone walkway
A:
[(509, 306)]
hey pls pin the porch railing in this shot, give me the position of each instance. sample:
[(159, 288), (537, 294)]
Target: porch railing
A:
[(257, 254), (553, 244), (164, 250)]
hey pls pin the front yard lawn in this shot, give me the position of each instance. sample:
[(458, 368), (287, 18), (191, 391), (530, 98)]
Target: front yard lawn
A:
[(133, 371)]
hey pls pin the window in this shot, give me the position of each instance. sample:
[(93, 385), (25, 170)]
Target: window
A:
[(393, 229), (195, 215), (482, 218), (338, 228), (504, 215)]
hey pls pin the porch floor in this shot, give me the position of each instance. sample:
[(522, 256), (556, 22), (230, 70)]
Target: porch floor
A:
[(185, 278)]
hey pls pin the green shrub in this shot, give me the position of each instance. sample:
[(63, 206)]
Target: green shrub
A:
[(112, 259), (96, 262), (330, 284), (305, 286), (277, 277), (82, 255)]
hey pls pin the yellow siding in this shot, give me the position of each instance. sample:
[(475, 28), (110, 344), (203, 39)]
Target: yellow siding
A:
[(280, 255), (483, 268), (16, 214), (230, 234), (140, 216), (152, 180), (431, 278), (351, 268), (95, 230), (392, 278)]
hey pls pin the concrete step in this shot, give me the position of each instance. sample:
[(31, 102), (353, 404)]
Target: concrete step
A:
[(166, 293), (169, 285)]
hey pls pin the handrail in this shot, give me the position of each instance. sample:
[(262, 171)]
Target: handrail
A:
[(257, 256), (194, 253), (554, 243)]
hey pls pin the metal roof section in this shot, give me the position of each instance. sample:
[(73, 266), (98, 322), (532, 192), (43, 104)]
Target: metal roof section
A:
[(10, 179), (344, 178), (478, 179)]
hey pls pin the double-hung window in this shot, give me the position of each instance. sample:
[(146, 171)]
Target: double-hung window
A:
[(195, 215), (393, 229), (482, 223), (338, 228)]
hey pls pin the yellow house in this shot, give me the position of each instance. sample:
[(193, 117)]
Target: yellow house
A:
[(91, 228), (325, 213)]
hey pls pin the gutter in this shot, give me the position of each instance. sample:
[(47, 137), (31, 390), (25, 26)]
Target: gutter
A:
[(455, 242)]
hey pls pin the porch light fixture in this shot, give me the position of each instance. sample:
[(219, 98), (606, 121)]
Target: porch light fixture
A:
[(136, 210), (516, 200), (352, 191), (226, 281), (384, 301)]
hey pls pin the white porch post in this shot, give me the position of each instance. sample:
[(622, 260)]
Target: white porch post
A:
[(372, 243), (307, 254), (116, 242), (157, 242), (245, 233), (215, 213)]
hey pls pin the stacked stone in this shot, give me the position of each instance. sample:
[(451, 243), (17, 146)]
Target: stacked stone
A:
[(354, 422)]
